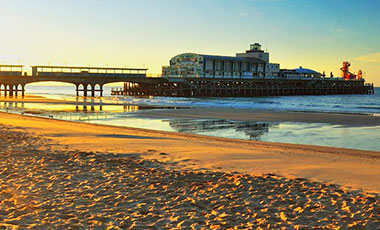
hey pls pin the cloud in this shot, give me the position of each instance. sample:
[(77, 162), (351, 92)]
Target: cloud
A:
[(372, 58)]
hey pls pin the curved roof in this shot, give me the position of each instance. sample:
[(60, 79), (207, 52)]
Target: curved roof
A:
[(305, 71)]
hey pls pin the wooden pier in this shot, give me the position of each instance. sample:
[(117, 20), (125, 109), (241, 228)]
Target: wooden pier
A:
[(202, 87)]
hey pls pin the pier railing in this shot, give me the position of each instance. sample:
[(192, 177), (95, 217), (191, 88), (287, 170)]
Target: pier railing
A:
[(71, 71), (11, 70)]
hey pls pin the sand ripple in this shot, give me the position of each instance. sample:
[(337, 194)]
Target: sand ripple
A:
[(42, 187)]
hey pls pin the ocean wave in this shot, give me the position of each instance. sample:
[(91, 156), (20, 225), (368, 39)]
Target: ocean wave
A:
[(368, 107), (327, 104)]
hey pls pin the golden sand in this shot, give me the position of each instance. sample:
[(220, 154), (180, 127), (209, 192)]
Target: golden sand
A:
[(42, 187), (58, 174), (346, 167)]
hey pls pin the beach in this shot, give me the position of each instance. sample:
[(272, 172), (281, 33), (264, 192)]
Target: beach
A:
[(68, 174), (343, 119), (255, 114)]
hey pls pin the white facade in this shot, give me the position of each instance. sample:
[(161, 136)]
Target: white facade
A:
[(253, 63)]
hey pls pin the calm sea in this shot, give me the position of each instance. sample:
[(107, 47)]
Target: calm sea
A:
[(126, 114)]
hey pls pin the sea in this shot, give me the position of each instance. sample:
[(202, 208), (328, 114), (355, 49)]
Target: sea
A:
[(124, 111)]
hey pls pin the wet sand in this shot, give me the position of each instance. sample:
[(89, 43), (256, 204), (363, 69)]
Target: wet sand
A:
[(349, 120), (30, 99), (45, 184), (69, 101)]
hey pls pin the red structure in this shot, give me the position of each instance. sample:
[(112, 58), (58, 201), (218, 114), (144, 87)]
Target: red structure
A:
[(346, 72)]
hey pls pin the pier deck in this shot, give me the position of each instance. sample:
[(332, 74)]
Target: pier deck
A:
[(88, 80), (202, 87)]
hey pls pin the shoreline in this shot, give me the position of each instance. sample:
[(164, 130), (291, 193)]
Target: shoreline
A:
[(346, 167), (356, 131), (265, 115)]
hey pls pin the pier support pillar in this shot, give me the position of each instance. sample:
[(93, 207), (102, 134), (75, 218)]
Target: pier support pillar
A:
[(22, 90), (16, 89), (85, 90), (11, 90), (77, 90), (92, 91)]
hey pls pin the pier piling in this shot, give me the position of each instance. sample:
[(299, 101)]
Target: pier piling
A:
[(195, 87)]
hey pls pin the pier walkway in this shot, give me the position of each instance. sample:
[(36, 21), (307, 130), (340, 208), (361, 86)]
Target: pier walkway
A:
[(88, 80)]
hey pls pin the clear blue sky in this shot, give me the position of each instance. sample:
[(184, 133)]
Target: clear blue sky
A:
[(318, 34)]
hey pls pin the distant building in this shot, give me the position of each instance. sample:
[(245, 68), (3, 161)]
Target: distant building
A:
[(300, 72), (253, 63)]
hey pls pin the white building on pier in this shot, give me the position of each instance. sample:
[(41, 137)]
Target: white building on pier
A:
[(253, 63)]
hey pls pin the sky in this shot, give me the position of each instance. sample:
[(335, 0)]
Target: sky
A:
[(315, 34)]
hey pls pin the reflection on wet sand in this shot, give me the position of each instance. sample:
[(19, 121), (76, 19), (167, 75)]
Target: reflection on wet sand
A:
[(84, 103), (9, 105), (81, 105), (252, 129)]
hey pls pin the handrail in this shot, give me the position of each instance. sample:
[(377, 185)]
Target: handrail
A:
[(87, 74)]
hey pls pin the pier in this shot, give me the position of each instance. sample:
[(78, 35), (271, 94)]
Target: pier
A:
[(201, 87), (89, 81)]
